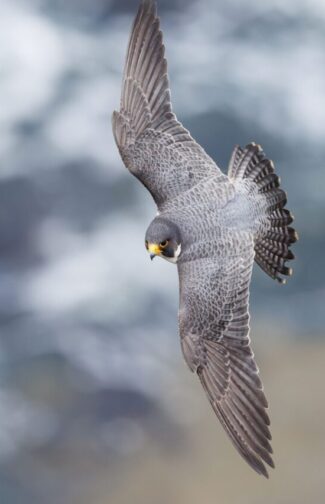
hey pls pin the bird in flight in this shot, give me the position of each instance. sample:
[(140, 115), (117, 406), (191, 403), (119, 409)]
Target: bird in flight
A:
[(213, 226)]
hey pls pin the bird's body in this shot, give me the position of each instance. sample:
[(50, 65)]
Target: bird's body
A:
[(213, 226)]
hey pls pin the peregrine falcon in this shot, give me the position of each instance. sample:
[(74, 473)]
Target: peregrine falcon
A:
[(213, 226)]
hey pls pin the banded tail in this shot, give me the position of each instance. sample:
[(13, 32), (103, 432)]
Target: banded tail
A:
[(272, 250)]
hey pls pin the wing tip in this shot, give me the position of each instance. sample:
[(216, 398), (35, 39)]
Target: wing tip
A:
[(149, 7)]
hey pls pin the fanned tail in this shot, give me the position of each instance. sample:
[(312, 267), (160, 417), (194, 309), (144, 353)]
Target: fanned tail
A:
[(272, 249)]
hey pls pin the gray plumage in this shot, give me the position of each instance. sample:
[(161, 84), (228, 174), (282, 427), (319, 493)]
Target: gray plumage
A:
[(222, 222)]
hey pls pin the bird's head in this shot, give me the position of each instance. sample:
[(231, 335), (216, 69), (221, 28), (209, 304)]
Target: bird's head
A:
[(163, 239)]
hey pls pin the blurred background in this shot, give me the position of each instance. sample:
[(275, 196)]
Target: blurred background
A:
[(96, 403)]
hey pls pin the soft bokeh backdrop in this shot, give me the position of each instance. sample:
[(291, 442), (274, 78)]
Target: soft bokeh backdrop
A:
[(96, 403)]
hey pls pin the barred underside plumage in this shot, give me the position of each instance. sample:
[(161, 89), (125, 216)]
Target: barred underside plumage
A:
[(224, 223)]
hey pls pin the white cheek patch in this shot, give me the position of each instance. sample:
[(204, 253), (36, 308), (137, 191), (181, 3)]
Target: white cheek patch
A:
[(176, 256)]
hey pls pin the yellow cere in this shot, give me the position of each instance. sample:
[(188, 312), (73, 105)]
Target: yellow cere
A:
[(153, 248)]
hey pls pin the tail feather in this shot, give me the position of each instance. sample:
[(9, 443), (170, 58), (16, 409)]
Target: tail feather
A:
[(276, 247), (269, 182), (264, 168), (281, 217), (272, 250)]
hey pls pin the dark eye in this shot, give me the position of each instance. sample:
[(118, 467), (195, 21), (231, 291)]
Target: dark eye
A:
[(164, 244), (147, 244)]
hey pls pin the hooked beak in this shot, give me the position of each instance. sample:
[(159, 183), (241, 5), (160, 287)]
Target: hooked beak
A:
[(153, 250)]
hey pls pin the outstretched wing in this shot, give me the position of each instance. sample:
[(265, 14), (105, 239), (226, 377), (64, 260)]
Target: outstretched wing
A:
[(214, 329), (154, 146)]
